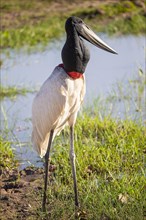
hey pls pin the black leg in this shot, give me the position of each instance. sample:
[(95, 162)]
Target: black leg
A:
[(72, 158), (46, 170)]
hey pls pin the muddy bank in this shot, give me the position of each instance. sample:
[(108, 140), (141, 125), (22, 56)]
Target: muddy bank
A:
[(21, 193)]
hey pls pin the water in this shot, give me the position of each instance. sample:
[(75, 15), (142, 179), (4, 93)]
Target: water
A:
[(103, 70)]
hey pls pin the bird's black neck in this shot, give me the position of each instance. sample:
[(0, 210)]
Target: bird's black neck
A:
[(75, 55)]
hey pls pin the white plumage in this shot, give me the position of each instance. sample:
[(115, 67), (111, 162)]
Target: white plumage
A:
[(55, 106)]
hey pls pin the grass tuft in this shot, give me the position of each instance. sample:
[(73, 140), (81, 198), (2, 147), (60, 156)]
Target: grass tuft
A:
[(41, 33), (7, 157), (13, 91)]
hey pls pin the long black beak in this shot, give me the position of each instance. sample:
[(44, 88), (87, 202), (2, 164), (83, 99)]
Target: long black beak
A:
[(85, 32)]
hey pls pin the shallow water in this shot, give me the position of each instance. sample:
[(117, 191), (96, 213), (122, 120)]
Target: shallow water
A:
[(103, 70)]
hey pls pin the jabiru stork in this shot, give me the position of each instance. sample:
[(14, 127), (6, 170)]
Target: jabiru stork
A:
[(61, 95)]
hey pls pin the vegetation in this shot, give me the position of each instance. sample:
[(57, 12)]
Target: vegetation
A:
[(110, 170), (7, 157), (130, 97), (39, 22), (13, 91)]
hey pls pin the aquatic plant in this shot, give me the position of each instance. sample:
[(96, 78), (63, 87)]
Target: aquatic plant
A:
[(13, 91)]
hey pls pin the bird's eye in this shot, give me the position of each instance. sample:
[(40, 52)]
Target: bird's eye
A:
[(80, 22)]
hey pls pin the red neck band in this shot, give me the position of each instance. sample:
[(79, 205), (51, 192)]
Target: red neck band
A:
[(73, 74)]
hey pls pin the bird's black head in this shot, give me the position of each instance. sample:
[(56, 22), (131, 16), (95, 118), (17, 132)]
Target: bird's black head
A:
[(75, 54), (85, 32), (71, 23)]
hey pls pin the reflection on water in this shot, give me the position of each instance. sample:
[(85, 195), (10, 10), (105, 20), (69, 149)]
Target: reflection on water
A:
[(103, 70)]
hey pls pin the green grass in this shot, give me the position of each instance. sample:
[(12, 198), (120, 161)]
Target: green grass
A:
[(126, 99), (129, 25), (7, 157), (110, 170), (121, 17), (35, 23), (30, 35), (13, 91)]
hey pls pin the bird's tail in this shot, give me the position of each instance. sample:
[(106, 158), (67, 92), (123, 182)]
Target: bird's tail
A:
[(40, 144)]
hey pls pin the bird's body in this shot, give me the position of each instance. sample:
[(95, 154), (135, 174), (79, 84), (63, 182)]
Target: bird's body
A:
[(62, 96)]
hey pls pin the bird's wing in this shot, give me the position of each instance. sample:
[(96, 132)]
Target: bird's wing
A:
[(49, 110), (83, 90)]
